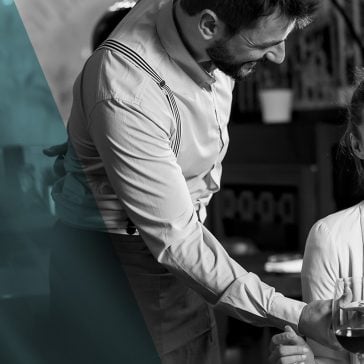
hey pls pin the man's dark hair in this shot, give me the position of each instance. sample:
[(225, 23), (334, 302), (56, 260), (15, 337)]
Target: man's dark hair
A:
[(240, 14)]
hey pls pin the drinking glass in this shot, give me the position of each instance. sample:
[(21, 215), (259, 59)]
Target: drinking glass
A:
[(348, 315)]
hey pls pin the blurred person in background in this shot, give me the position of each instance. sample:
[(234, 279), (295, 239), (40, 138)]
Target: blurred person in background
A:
[(104, 26)]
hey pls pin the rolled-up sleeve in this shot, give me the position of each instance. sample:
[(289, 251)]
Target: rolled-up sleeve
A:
[(147, 179), (319, 273)]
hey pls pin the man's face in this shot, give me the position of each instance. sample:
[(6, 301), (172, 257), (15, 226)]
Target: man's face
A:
[(238, 55)]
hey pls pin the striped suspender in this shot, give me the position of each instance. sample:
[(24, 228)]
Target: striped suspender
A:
[(140, 63)]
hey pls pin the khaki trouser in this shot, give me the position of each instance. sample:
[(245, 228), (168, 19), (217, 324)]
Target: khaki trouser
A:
[(100, 283)]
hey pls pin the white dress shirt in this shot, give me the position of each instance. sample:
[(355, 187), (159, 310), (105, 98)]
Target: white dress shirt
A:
[(120, 132), (334, 250)]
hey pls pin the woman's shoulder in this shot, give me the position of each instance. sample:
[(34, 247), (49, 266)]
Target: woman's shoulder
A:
[(341, 223), (331, 251), (343, 218)]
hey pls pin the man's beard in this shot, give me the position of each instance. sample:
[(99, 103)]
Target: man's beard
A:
[(222, 59)]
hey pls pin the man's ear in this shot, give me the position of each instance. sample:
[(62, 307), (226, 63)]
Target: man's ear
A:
[(210, 26), (357, 147)]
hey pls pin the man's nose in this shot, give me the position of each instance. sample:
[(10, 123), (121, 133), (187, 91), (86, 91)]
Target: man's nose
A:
[(277, 53)]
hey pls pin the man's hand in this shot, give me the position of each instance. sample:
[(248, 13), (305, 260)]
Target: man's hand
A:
[(58, 151), (315, 321), (289, 348)]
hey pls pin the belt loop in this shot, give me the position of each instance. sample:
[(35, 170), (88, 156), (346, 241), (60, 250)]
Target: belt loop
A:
[(130, 228), (197, 209)]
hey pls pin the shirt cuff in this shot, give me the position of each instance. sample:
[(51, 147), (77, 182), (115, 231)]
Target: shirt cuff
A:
[(285, 311), (251, 300)]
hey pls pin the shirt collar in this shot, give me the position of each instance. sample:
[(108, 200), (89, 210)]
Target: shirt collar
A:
[(173, 44)]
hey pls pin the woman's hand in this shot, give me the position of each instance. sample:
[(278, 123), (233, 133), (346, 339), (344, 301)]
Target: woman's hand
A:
[(289, 348)]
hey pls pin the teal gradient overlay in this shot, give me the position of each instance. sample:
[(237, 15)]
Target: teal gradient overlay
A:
[(29, 122), (29, 115)]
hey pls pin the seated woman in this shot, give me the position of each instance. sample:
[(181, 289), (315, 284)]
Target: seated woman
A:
[(334, 249)]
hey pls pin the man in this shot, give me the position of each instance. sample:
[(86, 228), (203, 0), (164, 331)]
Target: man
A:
[(147, 135)]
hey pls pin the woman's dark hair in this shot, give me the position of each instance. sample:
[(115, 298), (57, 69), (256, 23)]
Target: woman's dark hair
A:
[(239, 14), (354, 120)]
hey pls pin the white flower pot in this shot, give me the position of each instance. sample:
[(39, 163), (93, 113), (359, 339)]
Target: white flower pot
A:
[(276, 105)]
